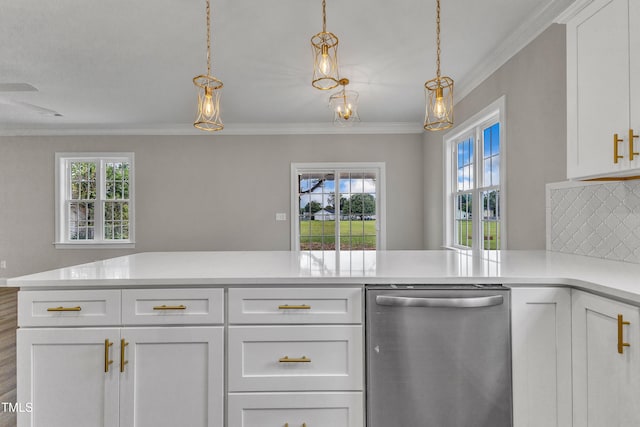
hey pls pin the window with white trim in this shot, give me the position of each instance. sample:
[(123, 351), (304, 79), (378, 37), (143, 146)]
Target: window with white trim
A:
[(94, 200), (338, 206), (474, 158)]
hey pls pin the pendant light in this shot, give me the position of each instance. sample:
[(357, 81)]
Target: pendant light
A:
[(344, 104), (438, 93), (325, 56), (208, 115)]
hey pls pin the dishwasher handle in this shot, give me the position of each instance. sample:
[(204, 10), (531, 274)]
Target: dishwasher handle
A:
[(439, 302)]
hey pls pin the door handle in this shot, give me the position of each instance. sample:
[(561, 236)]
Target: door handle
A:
[(439, 302), (123, 362), (621, 343), (107, 361), (616, 156), (631, 152)]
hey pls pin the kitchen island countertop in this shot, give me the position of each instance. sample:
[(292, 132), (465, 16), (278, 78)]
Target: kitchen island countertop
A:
[(513, 268)]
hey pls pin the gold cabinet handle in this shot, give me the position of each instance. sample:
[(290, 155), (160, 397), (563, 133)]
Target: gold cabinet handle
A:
[(286, 359), (621, 343), (123, 362), (170, 307), (294, 307), (78, 308), (631, 152), (107, 361), (615, 148)]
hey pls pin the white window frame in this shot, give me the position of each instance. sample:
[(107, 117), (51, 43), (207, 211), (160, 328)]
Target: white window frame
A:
[(493, 113), (62, 177), (337, 168)]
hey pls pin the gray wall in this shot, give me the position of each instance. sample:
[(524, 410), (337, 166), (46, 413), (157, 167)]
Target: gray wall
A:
[(197, 192), (534, 82)]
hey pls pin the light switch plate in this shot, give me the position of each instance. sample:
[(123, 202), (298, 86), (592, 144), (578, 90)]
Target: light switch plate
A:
[(281, 217)]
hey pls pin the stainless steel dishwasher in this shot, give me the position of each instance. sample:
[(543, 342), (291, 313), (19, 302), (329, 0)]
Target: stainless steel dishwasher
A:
[(438, 356)]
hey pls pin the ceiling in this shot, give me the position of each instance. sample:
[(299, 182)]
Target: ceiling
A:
[(126, 67)]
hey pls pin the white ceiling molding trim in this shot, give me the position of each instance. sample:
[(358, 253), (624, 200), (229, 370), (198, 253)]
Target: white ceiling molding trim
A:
[(395, 128), (572, 11), (525, 34)]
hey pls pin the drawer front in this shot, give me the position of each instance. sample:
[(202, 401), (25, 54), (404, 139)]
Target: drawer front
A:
[(69, 308), (172, 306), (296, 410), (295, 358), (295, 305)]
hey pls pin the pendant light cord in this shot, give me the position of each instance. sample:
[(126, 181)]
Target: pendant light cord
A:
[(437, 38), (208, 39), (324, 16)]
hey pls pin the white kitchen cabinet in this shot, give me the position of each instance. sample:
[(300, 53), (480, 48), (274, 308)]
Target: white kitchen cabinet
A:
[(606, 372), (61, 372), (603, 93), (295, 357), (173, 377), (337, 409), (160, 376), (541, 356)]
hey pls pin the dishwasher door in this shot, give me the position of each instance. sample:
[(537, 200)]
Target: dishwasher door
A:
[(438, 357)]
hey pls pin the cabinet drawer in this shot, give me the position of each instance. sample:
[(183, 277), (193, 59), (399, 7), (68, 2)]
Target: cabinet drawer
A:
[(295, 358), (172, 306), (295, 410), (295, 305), (69, 308)]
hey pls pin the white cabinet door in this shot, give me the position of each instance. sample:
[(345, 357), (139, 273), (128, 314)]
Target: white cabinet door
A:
[(541, 356), (61, 372), (172, 377), (598, 88), (606, 383), (634, 64)]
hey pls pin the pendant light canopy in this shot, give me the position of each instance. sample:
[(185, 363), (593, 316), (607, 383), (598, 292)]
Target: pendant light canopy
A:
[(208, 115), (438, 93), (344, 104), (325, 56)]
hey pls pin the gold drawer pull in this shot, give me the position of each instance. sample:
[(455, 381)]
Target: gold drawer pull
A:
[(621, 343), (287, 424), (615, 148), (286, 359), (78, 308), (123, 362), (294, 307), (170, 307), (632, 153), (107, 361)]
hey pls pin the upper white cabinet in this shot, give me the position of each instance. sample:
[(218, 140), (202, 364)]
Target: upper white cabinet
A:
[(603, 90), (606, 362)]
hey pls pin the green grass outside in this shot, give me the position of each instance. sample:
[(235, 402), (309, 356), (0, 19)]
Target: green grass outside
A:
[(490, 231), (317, 235)]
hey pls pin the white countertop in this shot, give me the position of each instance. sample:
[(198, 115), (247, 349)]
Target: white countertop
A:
[(617, 279)]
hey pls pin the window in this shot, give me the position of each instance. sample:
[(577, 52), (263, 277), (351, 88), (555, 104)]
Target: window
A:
[(474, 158), (94, 200), (338, 206)]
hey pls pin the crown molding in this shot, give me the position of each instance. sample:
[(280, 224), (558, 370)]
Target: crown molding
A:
[(572, 11), (525, 34), (361, 128)]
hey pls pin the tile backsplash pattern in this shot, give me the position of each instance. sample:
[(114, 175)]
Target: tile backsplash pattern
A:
[(600, 220)]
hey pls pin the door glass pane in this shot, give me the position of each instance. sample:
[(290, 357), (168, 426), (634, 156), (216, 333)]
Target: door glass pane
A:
[(358, 214), (316, 196)]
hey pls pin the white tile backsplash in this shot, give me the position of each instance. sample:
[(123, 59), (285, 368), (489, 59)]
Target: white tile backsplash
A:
[(595, 219)]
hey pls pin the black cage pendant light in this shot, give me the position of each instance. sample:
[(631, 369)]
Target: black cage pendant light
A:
[(438, 93), (208, 115)]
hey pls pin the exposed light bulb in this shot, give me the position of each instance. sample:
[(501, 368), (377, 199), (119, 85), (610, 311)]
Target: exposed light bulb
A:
[(325, 61), (439, 108), (208, 107)]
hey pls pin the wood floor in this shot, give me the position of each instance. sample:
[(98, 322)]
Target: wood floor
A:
[(8, 324)]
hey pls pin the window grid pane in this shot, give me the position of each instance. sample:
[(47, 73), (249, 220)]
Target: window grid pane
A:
[(491, 219), (355, 210)]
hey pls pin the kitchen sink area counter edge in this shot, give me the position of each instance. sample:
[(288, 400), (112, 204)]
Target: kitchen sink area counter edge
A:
[(619, 280)]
